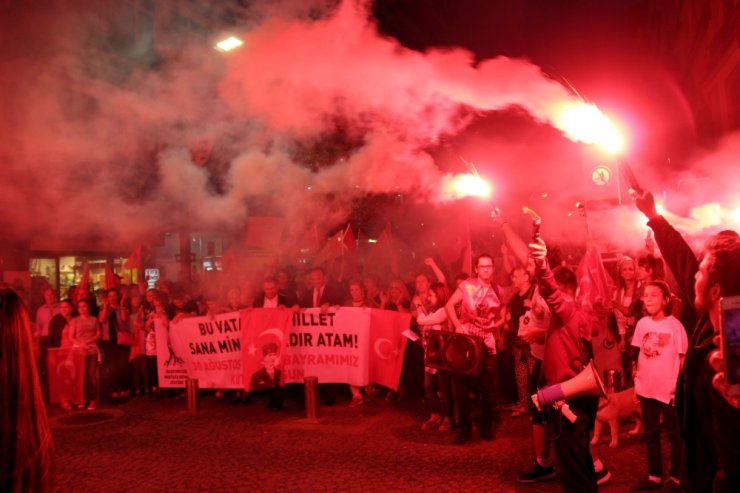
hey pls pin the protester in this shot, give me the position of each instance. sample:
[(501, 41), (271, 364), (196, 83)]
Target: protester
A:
[(358, 299), (44, 315), (437, 383), (58, 323), (479, 314), (709, 416), (85, 334), (115, 343), (661, 342), (567, 352), (26, 457), (625, 311)]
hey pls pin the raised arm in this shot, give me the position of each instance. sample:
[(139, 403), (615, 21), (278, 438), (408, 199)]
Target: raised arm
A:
[(676, 252), (435, 268)]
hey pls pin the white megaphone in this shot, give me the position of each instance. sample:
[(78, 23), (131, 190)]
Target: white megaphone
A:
[(585, 383)]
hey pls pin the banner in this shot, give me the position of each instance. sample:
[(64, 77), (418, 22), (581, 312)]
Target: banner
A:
[(206, 348), (358, 346), (66, 375), (277, 346)]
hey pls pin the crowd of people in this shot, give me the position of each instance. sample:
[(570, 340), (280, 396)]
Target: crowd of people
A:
[(654, 333)]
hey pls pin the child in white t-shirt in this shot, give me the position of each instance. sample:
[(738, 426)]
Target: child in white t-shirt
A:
[(662, 344)]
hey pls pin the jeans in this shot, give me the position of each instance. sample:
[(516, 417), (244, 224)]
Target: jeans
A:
[(651, 412)]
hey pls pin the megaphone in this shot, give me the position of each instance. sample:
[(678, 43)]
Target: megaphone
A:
[(585, 383)]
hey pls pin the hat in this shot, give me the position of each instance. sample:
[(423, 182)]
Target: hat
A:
[(269, 348)]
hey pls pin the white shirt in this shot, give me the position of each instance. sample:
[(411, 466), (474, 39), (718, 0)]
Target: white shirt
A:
[(270, 303), (43, 318), (661, 344)]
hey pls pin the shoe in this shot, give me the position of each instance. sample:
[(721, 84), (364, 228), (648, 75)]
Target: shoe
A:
[(80, 406), (520, 411), (356, 401), (647, 485), (603, 476), (66, 406), (434, 421), (538, 474), (445, 425), (92, 407)]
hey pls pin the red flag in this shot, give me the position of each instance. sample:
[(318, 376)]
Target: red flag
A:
[(84, 285), (348, 260), (263, 343), (385, 252), (134, 260), (594, 282), (111, 279), (388, 345), (66, 375), (332, 249)]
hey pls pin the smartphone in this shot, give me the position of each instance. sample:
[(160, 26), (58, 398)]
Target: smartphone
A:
[(730, 341)]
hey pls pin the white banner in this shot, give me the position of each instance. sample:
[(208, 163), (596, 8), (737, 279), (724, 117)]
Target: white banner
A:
[(206, 348)]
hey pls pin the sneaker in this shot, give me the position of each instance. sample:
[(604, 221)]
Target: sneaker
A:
[(445, 425), (647, 485), (93, 406), (603, 476), (537, 474)]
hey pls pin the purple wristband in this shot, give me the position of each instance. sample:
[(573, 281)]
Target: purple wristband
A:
[(548, 395)]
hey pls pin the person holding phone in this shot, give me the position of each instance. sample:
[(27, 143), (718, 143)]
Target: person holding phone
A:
[(709, 414)]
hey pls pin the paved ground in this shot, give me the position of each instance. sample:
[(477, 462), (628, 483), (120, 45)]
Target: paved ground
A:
[(144, 445)]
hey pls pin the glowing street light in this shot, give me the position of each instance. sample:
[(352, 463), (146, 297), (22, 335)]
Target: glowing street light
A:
[(228, 44)]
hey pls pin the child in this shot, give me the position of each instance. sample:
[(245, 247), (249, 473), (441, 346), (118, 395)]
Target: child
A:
[(662, 343)]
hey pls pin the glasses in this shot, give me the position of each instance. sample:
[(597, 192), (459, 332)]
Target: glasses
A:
[(485, 266)]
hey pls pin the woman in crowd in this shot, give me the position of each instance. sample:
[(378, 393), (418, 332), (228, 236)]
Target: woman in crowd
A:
[(84, 331), (397, 299), (625, 301), (358, 299), (437, 383), (26, 455), (661, 342), (137, 323)]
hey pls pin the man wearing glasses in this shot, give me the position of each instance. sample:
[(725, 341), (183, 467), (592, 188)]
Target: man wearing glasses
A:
[(480, 307)]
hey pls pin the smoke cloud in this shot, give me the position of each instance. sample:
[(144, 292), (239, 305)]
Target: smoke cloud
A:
[(103, 144)]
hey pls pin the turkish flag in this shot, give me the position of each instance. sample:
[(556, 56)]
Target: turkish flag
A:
[(594, 282), (264, 338), (66, 375), (387, 346)]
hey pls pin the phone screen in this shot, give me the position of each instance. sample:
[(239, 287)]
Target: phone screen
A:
[(731, 336)]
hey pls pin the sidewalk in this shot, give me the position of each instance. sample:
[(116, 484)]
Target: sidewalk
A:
[(144, 445)]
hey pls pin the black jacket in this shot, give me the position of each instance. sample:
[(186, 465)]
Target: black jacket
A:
[(710, 427)]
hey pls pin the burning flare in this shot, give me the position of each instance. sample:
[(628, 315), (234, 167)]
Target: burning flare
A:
[(584, 122), (465, 185)]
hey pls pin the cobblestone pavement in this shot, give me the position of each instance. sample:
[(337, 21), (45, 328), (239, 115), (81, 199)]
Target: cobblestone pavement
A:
[(144, 445)]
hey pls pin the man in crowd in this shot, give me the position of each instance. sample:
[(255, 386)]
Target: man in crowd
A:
[(479, 316), (44, 314), (321, 294), (709, 416), (271, 297)]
